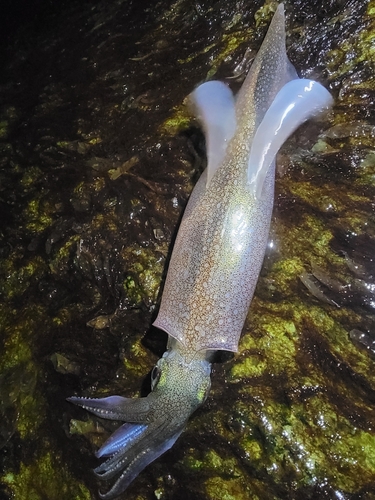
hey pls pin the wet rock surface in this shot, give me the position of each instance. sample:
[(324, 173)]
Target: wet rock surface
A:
[(98, 157)]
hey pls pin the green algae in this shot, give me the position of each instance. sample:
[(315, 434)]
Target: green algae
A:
[(35, 482), (280, 438), (265, 13), (137, 362), (179, 120), (291, 416), (3, 129), (19, 369), (321, 452), (17, 352), (30, 176), (19, 276), (354, 50), (229, 43), (38, 214), (145, 268), (61, 258), (232, 489), (197, 54), (8, 117)]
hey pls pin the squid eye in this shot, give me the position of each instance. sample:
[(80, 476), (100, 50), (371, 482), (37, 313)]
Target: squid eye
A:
[(155, 376)]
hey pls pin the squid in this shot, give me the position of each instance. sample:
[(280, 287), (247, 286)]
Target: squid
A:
[(217, 255)]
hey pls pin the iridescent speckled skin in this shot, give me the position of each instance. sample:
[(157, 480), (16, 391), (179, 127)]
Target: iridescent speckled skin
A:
[(218, 252)]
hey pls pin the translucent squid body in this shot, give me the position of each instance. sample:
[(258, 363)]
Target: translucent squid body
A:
[(218, 252)]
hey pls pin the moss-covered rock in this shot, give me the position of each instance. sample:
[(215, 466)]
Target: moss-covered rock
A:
[(98, 157)]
